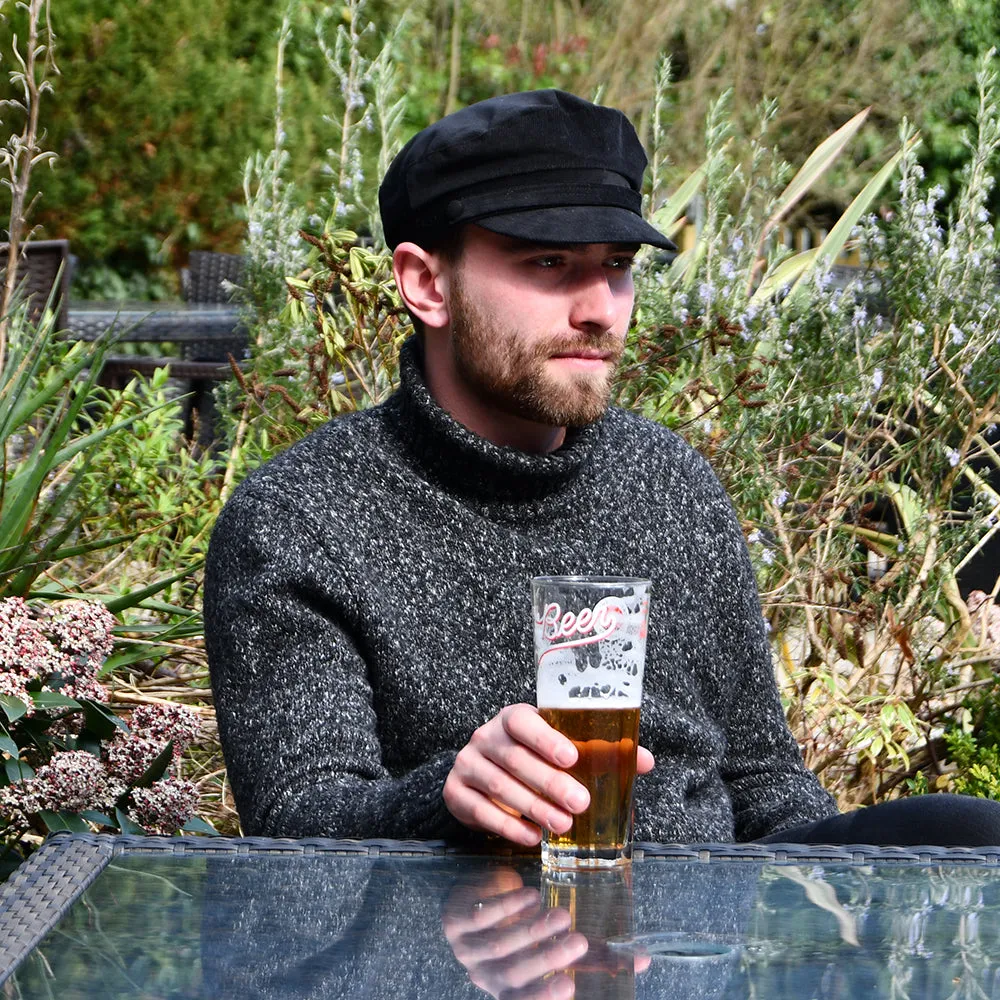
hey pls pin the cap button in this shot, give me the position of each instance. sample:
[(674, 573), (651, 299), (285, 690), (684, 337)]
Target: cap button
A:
[(453, 210)]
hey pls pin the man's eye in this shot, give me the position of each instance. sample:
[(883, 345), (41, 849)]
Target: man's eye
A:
[(548, 261), (622, 263)]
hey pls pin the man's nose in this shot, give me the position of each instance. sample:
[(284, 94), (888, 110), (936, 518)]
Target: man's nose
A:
[(595, 304)]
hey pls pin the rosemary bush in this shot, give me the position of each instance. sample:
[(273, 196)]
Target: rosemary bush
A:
[(853, 425)]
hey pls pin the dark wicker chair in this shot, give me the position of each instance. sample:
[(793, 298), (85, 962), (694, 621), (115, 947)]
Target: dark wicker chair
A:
[(44, 266), (203, 282)]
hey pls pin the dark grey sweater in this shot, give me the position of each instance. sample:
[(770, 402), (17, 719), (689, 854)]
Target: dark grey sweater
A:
[(367, 606)]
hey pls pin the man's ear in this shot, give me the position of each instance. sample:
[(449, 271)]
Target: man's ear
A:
[(422, 284)]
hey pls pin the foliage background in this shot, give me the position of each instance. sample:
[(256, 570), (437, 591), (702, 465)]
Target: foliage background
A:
[(159, 104)]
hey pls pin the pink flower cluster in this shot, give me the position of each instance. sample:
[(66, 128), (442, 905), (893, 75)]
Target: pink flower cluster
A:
[(62, 645), (165, 806), (152, 728), (165, 722), (72, 781)]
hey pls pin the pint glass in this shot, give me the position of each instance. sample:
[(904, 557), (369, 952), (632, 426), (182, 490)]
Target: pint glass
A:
[(590, 650)]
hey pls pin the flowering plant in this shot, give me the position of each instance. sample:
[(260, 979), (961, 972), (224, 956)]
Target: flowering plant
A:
[(69, 762), (852, 413)]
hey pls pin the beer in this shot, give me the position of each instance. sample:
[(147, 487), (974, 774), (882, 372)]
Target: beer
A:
[(606, 740), (590, 652)]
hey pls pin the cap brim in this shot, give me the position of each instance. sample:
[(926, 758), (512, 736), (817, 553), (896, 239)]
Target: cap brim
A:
[(576, 224)]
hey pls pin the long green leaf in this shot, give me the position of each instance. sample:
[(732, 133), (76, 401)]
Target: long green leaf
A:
[(673, 208), (17, 770), (59, 821), (819, 161), (12, 707), (45, 700), (135, 597), (7, 743), (784, 274), (198, 825), (24, 488), (101, 543), (157, 768), (834, 243), (57, 382), (126, 824)]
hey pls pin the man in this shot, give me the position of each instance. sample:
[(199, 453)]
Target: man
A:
[(367, 602)]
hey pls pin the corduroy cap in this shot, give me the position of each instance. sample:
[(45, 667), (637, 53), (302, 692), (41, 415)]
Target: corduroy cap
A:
[(542, 165)]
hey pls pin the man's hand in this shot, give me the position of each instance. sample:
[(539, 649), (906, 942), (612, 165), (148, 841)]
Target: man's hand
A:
[(509, 779), (508, 944)]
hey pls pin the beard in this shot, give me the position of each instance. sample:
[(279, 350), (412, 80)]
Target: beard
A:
[(505, 369)]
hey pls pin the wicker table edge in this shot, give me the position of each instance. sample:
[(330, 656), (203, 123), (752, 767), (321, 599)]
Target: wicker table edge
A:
[(40, 891), (856, 854)]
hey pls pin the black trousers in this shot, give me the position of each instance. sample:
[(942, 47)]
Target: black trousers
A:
[(937, 820)]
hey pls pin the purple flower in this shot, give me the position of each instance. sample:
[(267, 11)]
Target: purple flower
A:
[(164, 722), (72, 780), (165, 806)]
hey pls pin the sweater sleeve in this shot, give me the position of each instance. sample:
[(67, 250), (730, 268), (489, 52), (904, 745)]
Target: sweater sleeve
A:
[(293, 700), (769, 785)]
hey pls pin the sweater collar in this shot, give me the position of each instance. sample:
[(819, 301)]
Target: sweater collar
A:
[(460, 460)]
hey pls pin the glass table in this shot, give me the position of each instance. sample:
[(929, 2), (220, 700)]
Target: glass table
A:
[(90, 916)]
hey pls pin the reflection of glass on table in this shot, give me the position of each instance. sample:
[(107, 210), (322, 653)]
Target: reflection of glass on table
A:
[(215, 918)]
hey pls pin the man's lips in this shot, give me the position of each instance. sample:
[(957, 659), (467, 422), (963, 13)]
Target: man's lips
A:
[(584, 354)]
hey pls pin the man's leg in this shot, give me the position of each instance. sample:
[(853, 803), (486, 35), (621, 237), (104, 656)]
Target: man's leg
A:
[(937, 820)]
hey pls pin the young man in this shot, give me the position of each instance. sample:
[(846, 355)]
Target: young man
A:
[(367, 601)]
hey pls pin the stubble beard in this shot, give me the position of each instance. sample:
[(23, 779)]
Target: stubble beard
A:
[(502, 369)]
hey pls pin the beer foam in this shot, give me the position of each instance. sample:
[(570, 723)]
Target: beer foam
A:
[(595, 667)]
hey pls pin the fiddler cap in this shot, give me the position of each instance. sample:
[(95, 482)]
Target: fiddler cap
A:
[(543, 165)]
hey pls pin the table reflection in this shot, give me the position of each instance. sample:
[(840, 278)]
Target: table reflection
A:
[(202, 926)]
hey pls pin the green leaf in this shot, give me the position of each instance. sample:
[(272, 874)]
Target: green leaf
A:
[(46, 700), (56, 822), (101, 721), (12, 707), (834, 243), (784, 274), (126, 824), (157, 768), (671, 210), (133, 598), (7, 744), (819, 161), (97, 818), (197, 825), (17, 770)]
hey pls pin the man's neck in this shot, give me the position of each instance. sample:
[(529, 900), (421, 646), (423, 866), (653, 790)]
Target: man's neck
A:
[(496, 426)]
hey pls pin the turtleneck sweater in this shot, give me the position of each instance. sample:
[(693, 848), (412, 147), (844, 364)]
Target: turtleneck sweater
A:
[(368, 606)]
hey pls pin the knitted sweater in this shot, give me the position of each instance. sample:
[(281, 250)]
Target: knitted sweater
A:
[(367, 606)]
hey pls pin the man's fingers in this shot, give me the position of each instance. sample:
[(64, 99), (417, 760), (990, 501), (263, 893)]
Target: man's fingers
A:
[(500, 943), (474, 809), (468, 912), (500, 785), (529, 966), (525, 726), (644, 761), (503, 784)]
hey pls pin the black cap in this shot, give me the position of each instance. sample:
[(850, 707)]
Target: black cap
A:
[(542, 165)]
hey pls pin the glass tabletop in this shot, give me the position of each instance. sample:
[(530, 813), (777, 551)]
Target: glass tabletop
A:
[(221, 925)]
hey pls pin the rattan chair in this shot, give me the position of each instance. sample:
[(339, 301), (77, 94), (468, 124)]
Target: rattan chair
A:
[(204, 281), (43, 267)]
